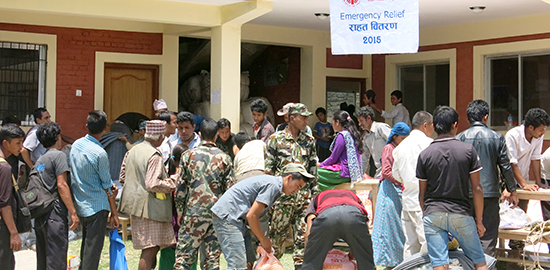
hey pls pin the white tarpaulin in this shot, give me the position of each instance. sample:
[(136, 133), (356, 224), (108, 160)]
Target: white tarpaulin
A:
[(374, 26)]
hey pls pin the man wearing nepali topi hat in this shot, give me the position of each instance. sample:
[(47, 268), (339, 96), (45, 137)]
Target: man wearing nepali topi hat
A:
[(147, 195)]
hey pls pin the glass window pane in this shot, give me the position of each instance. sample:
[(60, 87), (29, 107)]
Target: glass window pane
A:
[(535, 82), (504, 90), (339, 91), (412, 86), (437, 86)]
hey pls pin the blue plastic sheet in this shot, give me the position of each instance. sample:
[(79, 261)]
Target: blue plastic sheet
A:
[(116, 252)]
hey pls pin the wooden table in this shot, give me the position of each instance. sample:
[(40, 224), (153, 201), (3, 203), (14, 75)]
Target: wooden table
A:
[(366, 184), (521, 234)]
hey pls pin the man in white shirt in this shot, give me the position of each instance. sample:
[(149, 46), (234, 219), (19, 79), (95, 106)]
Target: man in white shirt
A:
[(32, 148), (525, 151), (249, 156), (405, 156), (166, 148), (374, 139), (399, 113)]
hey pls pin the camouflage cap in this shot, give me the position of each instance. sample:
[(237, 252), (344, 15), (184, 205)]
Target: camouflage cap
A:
[(296, 168), (299, 108)]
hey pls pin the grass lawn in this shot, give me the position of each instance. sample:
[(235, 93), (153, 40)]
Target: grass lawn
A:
[(132, 256)]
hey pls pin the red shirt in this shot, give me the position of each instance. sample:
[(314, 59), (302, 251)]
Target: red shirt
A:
[(331, 198)]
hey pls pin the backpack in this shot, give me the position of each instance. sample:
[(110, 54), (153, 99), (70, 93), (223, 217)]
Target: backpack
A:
[(39, 199), (21, 213)]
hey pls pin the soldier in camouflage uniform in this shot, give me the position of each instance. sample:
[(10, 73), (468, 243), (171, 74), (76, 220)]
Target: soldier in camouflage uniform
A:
[(206, 173), (292, 145)]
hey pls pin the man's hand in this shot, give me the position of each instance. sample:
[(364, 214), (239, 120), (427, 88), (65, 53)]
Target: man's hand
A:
[(123, 138), (480, 228), (366, 176), (15, 242), (114, 190), (266, 244), (114, 221), (74, 221), (513, 199), (529, 187), (541, 185), (179, 220)]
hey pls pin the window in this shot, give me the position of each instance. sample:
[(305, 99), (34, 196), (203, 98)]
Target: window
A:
[(22, 79), (340, 91), (517, 83), (424, 86)]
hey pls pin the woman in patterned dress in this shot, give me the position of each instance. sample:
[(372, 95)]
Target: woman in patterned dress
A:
[(387, 236)]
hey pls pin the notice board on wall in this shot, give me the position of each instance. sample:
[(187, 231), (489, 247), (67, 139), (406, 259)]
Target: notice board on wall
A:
[(374, 26)]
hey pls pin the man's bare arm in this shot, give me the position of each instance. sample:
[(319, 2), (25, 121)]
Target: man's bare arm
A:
[(477, 192), (26, 154), (522, 181)]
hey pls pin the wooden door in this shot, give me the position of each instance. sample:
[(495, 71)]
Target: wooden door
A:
[(129, 88)]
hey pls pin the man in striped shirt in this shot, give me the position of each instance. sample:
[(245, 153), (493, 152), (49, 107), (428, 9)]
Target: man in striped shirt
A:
[(93, 189)]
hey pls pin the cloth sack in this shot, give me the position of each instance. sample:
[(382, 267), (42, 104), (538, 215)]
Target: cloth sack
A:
[(267, 261), (337, 259), (116, 252)]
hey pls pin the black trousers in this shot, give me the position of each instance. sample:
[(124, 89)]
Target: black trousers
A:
[(491, 220), (93, 236), (346, 222), (7, 260), (52, 241)]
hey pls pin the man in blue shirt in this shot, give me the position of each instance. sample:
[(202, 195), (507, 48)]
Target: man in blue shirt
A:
[(93, 190), (244, 203)]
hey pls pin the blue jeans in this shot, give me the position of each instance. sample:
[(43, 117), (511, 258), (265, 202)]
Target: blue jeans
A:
[(235, 243), (462, 227)]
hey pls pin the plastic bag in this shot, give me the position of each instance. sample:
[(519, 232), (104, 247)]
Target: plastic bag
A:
[(337, 259), (116, 252), (267, 261), (512, 218)]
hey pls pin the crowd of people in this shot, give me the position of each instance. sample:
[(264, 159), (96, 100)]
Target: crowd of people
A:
[(212, 191)]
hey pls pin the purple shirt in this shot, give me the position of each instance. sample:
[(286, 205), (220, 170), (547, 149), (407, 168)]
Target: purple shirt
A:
[(339, 156)]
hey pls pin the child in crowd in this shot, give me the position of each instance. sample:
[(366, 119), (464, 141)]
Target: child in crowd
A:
[(399, 113), (323, 133), (262, 128)]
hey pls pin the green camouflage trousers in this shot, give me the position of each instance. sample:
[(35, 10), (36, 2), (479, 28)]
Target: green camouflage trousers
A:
[(289, 212), (195, 230)]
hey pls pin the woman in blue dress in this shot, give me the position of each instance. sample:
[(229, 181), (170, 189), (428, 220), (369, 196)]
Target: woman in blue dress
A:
[(387, 236)]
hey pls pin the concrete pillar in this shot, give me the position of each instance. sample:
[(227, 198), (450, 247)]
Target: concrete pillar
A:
[(225, 74), (313, 79)]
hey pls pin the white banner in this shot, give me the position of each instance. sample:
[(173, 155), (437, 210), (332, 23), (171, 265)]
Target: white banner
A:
[(374, 26)]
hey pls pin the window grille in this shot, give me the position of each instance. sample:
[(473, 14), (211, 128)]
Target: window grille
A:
[(22, 79)]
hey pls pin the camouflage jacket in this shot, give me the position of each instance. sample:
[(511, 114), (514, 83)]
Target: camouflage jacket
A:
[(206, 172), (283, 149)]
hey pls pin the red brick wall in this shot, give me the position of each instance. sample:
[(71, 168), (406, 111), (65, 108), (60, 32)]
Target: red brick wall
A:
[(464, 69), (344, 61), (76, 65)]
